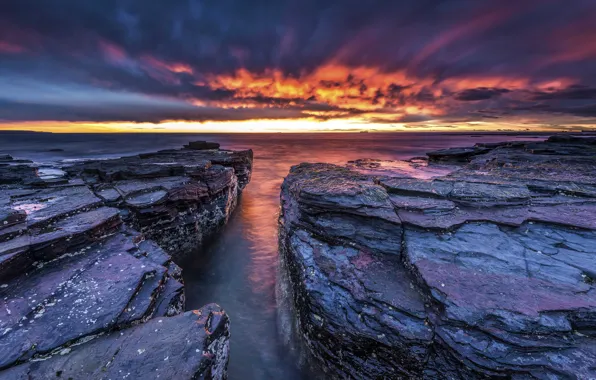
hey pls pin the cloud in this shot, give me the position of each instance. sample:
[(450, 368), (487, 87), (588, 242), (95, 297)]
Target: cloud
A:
[(570, 93), (397, 60), (481, 93)]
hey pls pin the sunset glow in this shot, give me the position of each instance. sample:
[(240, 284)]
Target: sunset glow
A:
[(460, 66)]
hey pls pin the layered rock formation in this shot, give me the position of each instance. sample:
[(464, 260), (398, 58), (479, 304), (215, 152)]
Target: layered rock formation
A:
[(479, 264), (178, 198), (88, 286)]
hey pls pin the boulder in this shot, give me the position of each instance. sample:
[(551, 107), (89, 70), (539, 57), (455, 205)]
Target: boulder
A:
[(484, 271)]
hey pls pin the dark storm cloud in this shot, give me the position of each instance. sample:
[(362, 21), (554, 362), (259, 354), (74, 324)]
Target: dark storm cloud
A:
[(571, 93), (481, 93), (12, 111), (451, 58)]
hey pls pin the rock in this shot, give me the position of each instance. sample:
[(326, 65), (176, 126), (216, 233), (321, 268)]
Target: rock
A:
[(486, 271), (84, 292), (88, 285), (201, 145), (416, 167), (589, 139), (193, 345), (178, 198), (456, 154), (17, 174)]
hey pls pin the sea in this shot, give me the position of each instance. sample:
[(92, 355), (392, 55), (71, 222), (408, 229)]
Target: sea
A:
[(238, 270)]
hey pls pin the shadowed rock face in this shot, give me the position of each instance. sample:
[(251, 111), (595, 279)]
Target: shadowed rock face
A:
[(486, 270), (88, 288), (178, 198)]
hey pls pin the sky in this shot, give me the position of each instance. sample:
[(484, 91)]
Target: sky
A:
[(297, 65)]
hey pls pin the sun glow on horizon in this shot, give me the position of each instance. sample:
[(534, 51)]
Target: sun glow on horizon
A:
[(276, 126)]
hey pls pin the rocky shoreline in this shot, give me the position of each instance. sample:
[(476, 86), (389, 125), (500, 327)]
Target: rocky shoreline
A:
[(89, 286), (472, 263)]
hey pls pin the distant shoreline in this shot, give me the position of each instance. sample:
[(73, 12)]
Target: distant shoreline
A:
[(470, 133)]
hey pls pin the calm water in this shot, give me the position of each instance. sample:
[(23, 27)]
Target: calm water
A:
[(238, 270)]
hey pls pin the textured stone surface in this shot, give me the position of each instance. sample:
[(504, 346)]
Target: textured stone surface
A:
[(193, 345), (179, 198), (486, 270), (88, 288), (201, 145)]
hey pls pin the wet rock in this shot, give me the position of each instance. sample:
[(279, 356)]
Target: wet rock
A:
[(456, 154), (179, 198), (44, 243), (415, 167), (80, 294), (589, 139), (15, 174), (486, 271), (201, 145), (193, 345), (88, 285)]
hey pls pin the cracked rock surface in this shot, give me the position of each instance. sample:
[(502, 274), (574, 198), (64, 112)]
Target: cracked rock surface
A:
[(193, 345), (178, 198), (480, 263), (88, 286)]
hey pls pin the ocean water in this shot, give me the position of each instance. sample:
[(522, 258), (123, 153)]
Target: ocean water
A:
[(238, 269)]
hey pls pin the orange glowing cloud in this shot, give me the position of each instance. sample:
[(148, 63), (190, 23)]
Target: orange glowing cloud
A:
[(367, 90), (175, 67), (333, 84)]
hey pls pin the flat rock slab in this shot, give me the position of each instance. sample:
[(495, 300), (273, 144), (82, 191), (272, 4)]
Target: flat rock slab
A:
[(487, 271), (80, 294), (167, 163), (44, 205), (86, 275), (37, 244), (456, 154), (201, 145), (413, 168), (179, 198), (192, 345)]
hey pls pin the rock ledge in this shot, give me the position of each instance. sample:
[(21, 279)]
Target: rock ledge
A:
[(88, 285), (487, 270)]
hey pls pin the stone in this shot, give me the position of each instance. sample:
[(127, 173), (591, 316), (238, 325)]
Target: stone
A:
[(193, 345), (179, 198), (589, 139), (456, 154), (89, 288), (201, 145), (485, 271), (15, 173)]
